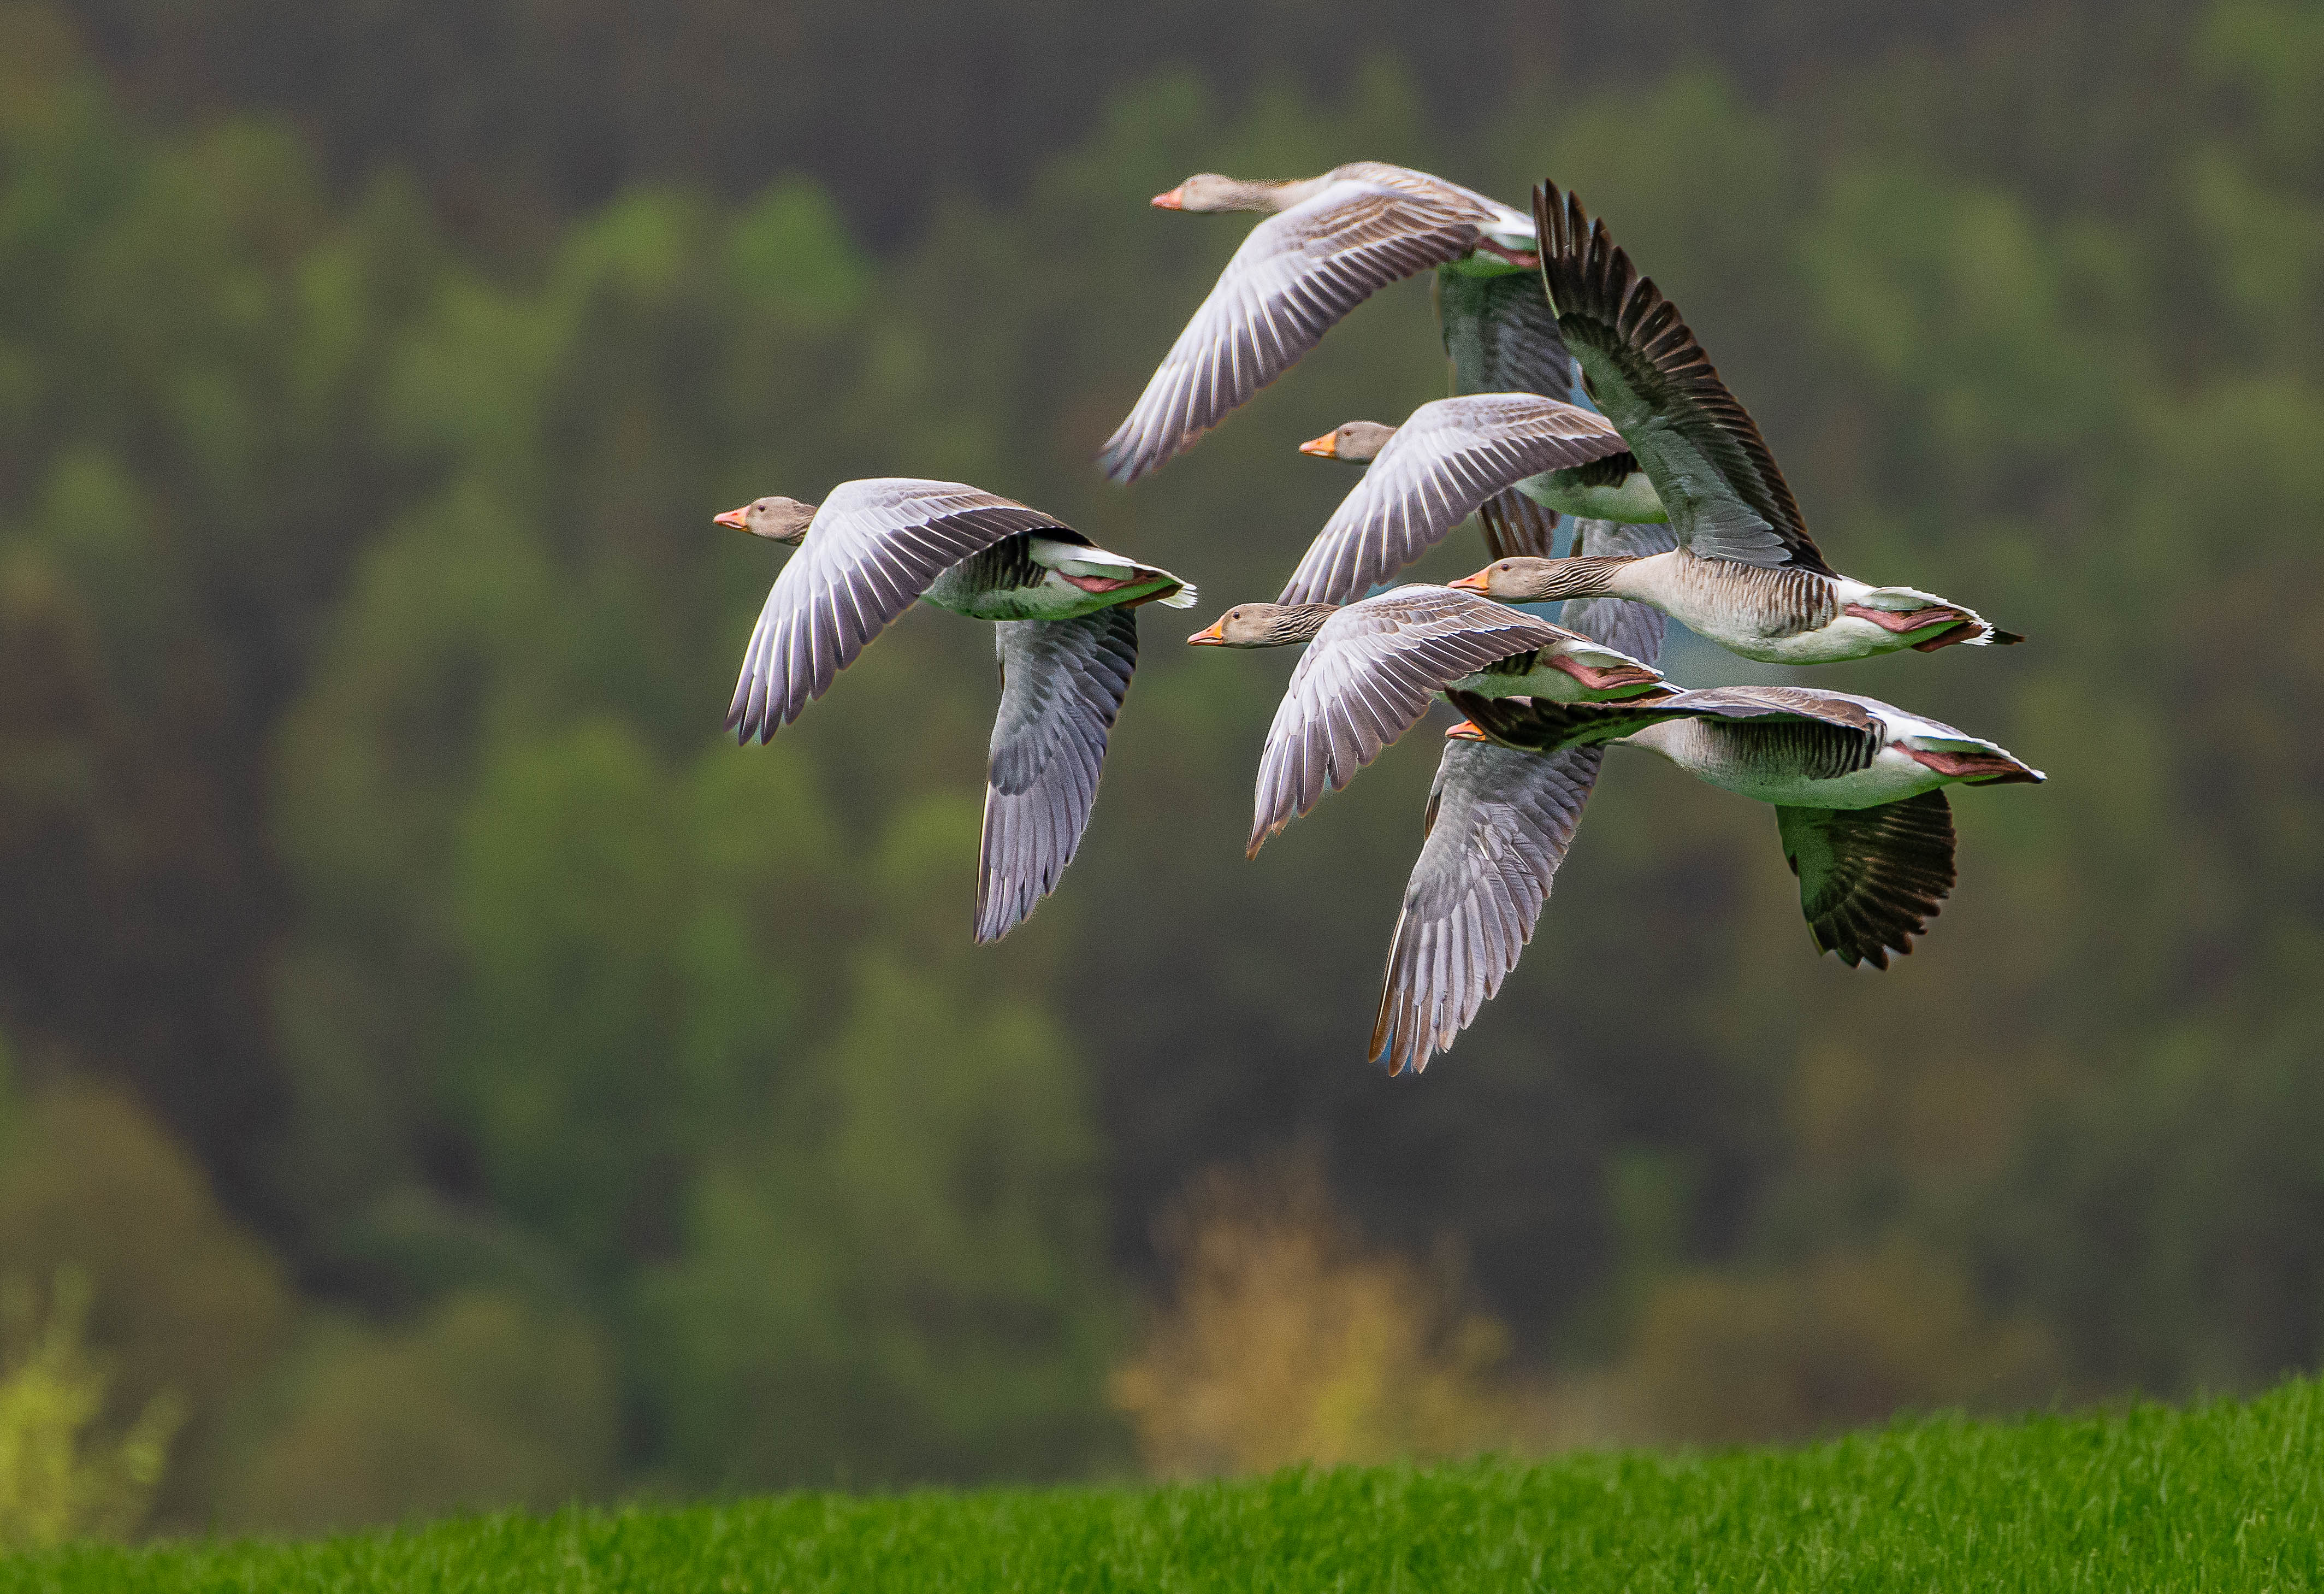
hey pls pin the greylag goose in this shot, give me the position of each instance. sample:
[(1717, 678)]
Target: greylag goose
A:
[(1447, 459), (1372, 669), (1328, 244), (1495, 445), (1065, 635), (1856, 784), (1745, 573), (1498, 823)]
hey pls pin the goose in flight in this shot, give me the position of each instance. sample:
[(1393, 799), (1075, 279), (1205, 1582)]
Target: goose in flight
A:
[(1065, 635), (1855, 785), (1328, 244), (1745, 571), (1499, 822), (1450, 459), (1371, 670)]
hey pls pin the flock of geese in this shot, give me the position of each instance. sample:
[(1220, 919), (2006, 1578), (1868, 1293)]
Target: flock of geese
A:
[(1578, 391)]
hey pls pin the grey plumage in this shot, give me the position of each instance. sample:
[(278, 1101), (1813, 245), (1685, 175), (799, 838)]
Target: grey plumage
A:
[(1293, 278), (1636, 629), (1642, 366), (1870, 879), (873, 547), (1062, 683), (1501, 334), (1366, 678), (1498, 823), (1448, 458)]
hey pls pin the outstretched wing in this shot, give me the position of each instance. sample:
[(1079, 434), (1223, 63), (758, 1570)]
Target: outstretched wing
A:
[(1642, 366), (1061, 682), (1870, 879), (1365, 681), (1446, 459), (1295, 275), (871, 549), (1636, 629), (1501, 334), (1499, 821)]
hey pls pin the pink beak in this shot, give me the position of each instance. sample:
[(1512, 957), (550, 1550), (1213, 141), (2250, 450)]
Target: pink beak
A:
[(735, 518), (1173, 200)]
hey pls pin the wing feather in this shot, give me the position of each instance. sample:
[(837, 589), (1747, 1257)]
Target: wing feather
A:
[(1870, 879), (1444, 462), (1699, 447), (1293, 277), (874, 546), (1500, 821), (1387, 657), (1062, 683)]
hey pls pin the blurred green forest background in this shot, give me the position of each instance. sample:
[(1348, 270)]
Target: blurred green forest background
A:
[(449, 1072)]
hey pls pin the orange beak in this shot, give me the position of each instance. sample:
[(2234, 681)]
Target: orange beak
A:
[(735, 518), (1466, 731), (1174, 200), (1475, 584), (1326, 446), (1212, 635)]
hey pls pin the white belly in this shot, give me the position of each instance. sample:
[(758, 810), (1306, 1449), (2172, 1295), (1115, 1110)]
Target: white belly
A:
[(1697, 749), (1847, 637)]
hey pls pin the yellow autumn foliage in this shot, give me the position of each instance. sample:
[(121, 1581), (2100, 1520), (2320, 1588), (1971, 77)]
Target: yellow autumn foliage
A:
[(1287, 1339), (62, 1476)]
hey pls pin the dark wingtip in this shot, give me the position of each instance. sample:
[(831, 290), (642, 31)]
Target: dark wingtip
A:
[(2004, 638)]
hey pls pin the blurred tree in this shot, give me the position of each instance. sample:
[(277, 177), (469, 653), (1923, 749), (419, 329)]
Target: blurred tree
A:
[(183, 1304), (904, 1278), (485, 1401), (1844, 1340)]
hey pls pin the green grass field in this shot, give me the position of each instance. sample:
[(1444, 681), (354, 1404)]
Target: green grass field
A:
[(2228, 1495)]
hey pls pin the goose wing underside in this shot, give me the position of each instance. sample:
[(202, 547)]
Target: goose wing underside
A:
[(1293, 277), (1499, 821), (1870, 879), (1366, 679), (872, 548), (1501, 334), (1515, 527), (1447, 459), (1726, 496), (1062, 683)]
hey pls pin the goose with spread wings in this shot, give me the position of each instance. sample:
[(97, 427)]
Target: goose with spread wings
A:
[(1452, 457), (1745, 571), (1065, 635), (1328, 244), (1372, 669), (1857, 787), (1499, 822)]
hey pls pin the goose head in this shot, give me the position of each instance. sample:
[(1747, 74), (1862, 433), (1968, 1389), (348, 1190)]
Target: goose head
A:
[(1264, 625), (1357, 442), (1207, 191), (777, 520), (1528, 580)]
